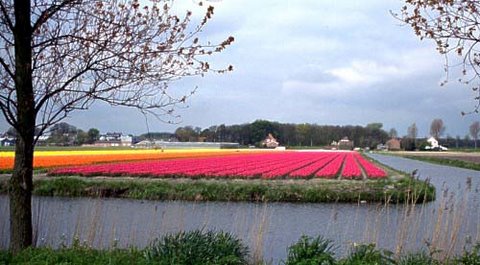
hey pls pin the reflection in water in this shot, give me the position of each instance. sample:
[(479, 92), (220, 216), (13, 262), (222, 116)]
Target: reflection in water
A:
[(269, 229)]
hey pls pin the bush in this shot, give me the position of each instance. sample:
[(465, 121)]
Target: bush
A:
[(197, 247), (470, 257), (420, 258), (368, 255), (311, 251)]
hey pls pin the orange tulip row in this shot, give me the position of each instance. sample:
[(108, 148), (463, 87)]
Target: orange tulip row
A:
[(6, 163)]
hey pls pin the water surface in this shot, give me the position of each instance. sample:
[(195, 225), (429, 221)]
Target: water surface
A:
[(268, 229)]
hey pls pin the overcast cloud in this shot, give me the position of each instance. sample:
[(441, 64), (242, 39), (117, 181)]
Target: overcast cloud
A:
[(324, 62)]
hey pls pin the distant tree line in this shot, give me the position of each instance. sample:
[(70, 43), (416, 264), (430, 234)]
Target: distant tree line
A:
[(411, 142), (287, 134), (64, 134)]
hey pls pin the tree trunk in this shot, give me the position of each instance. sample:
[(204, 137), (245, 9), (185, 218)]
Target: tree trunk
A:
[(20, 184), (20, 192)]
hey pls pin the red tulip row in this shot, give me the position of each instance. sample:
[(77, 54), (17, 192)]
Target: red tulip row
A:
[(351, 170), (309, 170), (265, 165), (370, 169), (331, 169)]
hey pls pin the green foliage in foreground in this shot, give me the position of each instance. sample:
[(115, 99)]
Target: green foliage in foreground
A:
[(197, 247), (309, 250), (183, 248), (319, 251), (239, 190), (212, 248), (75, 255), (366, 254)]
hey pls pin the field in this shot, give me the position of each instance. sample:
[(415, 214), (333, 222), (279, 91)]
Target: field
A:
[(271, 165), (462, 156), (218, 175), (49, 159), (468, 160)]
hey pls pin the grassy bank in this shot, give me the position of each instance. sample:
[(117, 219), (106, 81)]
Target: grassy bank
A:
[(446, 162), (312, 191), (219, 248)]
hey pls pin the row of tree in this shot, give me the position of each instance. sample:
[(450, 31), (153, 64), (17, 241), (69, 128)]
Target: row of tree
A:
[(437, 130), (287, 134), (63, 134), (66, 134), (306, 134)]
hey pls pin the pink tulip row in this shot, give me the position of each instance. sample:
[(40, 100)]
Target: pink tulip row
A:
[(265, 165)]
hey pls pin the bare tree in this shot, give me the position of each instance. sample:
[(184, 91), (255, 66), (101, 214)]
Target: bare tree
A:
[(437, 128), (393, 133), (410, 141), (412, 131), (453, 25), (474, 131), (57, 56)]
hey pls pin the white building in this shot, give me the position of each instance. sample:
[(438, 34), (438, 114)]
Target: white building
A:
[(114, 139), (433, 145), (433, 142)]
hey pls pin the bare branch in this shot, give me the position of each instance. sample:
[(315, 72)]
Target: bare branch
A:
[(455, 28), (5, 17), (51, 11), (7, 68)]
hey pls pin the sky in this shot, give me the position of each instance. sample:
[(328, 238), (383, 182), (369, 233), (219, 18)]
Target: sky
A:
[(346, 62)]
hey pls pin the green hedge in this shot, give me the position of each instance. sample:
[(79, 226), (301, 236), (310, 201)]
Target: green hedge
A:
[(312, 191)]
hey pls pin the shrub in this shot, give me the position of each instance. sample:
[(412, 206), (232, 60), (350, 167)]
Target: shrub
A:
[(420, 258), (470, 257), (197, 247), (367, 254), (311, 251)]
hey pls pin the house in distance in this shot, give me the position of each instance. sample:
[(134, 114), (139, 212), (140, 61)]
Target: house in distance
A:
[(113, 139), (393, 145), (270, 142), (345, 144)]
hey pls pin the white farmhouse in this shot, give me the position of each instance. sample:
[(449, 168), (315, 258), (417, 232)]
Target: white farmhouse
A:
[(433, 145), (114, 139), (270, 142), (433, 142)]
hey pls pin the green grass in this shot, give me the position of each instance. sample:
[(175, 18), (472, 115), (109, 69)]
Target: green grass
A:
[(310, 191), (75, 255)]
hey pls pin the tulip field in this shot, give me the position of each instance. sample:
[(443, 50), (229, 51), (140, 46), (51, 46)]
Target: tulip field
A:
[(49, 159), (265, 165)]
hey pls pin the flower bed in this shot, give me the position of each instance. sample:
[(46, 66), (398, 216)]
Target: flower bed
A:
[(268, 165), (351, 170), (49, 159)]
